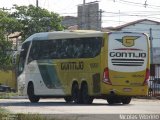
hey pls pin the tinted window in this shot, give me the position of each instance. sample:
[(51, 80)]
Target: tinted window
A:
[(65, 48), (22, 57)]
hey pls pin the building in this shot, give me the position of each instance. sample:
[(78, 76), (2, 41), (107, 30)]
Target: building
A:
[(89, 17), (156, 53), (15, 38), (69, 21)]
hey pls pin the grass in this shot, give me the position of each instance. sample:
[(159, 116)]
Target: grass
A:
[(3, 114), (3, 111), (5, 95), (6, 115), (28, 117)]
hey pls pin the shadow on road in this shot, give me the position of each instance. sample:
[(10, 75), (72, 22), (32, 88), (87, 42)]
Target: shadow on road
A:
[(54, 103)]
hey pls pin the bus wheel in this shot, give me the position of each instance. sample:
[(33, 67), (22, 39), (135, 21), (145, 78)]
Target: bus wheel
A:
[(86, 99), (126, 100), (76, 95), (110, 100), (33, 98), (68, 99)]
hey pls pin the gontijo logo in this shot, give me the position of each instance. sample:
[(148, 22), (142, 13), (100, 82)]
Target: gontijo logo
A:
[(128, 41)]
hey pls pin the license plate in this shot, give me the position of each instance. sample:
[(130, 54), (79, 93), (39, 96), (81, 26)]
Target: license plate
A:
[(127, 89)]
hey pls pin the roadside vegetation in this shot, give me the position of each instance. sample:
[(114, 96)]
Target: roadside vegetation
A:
[(22, 20), (7, 115), (7, 95)]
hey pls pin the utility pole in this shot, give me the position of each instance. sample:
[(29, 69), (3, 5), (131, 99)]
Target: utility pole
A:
[(100, 19), (145, 4), (151, 44), (84, 15), (36, 3), (84, 1)]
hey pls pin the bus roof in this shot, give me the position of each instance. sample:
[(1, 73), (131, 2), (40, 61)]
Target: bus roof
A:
[(64, 34), (70, 34)]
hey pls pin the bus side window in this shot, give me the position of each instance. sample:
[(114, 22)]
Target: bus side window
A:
[(34, 53), (21, 63), (78, 48), (89, 48), (96, 46), (22, 57)]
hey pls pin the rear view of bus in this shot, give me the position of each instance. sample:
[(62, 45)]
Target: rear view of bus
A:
[(128, 67)]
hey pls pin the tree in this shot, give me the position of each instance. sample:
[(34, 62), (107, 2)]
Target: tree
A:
[(27, 20), (35, 19), (7, 26)]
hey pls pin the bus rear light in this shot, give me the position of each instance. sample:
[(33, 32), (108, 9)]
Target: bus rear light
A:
[(146, 77), (106, 76)]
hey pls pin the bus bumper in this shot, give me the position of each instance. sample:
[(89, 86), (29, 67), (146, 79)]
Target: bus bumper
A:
[(125, 90)]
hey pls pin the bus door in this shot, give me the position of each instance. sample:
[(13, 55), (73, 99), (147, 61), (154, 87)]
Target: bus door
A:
[(21, 76)]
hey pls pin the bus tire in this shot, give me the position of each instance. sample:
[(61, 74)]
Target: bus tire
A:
[(30, 91), (86, 99), (76, 95), (68, 99), (110, 101), (126, 100)]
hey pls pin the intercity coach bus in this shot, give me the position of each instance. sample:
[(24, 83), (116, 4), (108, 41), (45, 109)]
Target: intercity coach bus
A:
[(82, 65)]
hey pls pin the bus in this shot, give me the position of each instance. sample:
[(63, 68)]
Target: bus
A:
[(82, 65)]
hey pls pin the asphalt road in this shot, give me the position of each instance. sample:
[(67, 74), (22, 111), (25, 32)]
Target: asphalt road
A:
[(58, 106)]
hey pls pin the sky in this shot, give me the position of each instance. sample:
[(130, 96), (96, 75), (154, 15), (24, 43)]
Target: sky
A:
[(115, 12)]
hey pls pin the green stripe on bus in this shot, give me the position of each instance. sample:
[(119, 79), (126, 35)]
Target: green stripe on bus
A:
[(49, 75)]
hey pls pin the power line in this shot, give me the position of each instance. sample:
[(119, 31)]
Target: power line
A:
[(141, 4), (141, 29), (29, 2), (44, 3), (123, 14), (141, 16), (105, 21)]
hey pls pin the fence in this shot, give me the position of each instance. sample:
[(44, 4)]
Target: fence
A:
[(154, 82)]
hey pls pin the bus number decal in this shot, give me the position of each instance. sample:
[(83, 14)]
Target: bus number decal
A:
[(72, 65), (94, 65)]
